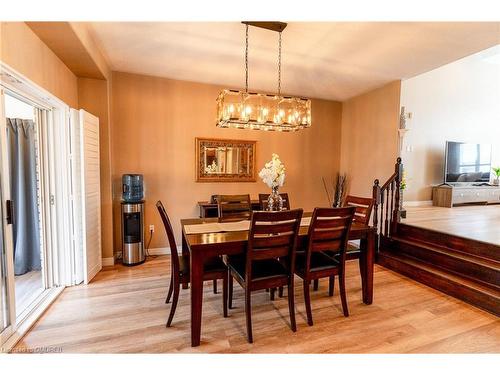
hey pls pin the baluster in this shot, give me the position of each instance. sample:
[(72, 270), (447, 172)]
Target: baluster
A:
[(386, 222), (382, 205), (376, 202), (392, 207)]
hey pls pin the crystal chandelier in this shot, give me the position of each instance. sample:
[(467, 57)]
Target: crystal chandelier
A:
[(251, 110)]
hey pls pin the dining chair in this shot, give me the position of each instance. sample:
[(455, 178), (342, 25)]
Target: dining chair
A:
[(329, 230), (269, 259), (362, 215), (234, 207), (180, 269), (231, 208), (263, 199)]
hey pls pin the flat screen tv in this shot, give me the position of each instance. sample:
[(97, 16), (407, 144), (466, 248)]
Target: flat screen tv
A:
[(467, 163)]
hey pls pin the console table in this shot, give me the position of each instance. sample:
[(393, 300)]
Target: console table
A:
[(208, 209), (448, 196)]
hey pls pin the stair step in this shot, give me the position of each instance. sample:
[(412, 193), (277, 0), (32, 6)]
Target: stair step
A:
[(464, 245), (477, 268), (463, 288)]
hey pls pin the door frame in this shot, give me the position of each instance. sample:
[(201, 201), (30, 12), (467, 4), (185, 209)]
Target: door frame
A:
[(8, 242), (56, 199)]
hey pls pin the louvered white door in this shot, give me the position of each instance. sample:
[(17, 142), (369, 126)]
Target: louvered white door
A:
[(90, 195)]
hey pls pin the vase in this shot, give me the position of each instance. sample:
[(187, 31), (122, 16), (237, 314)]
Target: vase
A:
[(402, 211), (275, 201), (496, 181)]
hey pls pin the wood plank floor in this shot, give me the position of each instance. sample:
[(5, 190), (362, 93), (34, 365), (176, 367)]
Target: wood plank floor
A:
[(28, 287), (477, 222), (123, 311)]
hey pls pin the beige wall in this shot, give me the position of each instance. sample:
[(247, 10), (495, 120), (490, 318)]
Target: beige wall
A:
[(22, 50), (155, 122), (370, 137), (457, 102), (94, 97)]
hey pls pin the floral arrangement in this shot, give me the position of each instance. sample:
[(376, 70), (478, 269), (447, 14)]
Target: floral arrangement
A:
[(211, 168), (403, 181), (496, 170), (273, 173)]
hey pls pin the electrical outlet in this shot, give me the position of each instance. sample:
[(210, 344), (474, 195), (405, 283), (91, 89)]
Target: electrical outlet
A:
[(151, 228)]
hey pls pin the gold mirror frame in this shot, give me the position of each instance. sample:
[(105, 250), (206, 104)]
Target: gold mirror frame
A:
[(203, 176)]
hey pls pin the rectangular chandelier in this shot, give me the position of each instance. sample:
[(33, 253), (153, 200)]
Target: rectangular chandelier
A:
[(246, 110)]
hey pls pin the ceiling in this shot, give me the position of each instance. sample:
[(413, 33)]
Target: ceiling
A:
[(60, 37), (330, 60)]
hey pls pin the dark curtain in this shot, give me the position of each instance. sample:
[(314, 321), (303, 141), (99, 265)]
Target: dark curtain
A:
[(23, 187)]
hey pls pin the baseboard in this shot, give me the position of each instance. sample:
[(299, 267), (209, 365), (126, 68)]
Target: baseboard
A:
[(108, 261), (153, 251), (163, 250), (417, 203)]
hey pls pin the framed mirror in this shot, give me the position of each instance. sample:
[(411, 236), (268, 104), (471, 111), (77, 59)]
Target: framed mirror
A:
[(225, 160)]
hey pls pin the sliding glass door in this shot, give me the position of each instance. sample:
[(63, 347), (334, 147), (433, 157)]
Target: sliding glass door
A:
[(23, 276), (23, 171)]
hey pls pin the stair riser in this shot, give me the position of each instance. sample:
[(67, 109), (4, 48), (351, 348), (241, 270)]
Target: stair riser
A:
[(459, 291), (466, 245), (459, 266)]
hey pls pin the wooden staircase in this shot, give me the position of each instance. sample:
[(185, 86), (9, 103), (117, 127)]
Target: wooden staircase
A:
[(460, 267), (428, 257)]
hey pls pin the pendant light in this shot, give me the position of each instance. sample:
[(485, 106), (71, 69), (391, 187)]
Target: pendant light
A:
[(259, 111)]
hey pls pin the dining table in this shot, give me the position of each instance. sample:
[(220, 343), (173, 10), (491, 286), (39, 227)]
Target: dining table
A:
[(205, 238)]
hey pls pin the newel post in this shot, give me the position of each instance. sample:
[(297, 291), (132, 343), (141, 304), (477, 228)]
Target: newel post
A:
[(376, 203), (396, 215)]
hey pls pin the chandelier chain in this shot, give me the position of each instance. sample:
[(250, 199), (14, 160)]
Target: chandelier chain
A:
[(246, 60), (279, 64)]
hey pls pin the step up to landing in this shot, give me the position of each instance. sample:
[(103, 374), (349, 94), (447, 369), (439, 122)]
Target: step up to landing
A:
[(479, 294), (479, 269)]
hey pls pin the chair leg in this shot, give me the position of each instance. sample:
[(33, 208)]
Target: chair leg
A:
[(248, 312), (170, 290), (331, 285), (224, 293), (273, 290), (343, 295), (174, 303), (230, 282), (215, 286), (280, 292), (362, 268), (316, 285), (291, 306), (307, 302)]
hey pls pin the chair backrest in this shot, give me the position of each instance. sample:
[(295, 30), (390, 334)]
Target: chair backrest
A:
[(363, 208), (171, 238), (263, 198), (329, 231), (234, 207), (273, 235)]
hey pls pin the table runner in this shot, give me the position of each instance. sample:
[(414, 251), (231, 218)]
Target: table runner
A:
[(234, 226)]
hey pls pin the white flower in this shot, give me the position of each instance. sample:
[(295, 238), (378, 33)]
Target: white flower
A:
[(273, 173)]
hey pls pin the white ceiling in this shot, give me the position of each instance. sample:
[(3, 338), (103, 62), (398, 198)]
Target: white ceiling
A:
[(331, 60)]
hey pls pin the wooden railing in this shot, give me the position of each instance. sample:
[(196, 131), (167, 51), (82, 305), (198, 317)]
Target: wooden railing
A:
[(386, 208)]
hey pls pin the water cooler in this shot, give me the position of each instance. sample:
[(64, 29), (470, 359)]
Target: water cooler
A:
[(132, 218)]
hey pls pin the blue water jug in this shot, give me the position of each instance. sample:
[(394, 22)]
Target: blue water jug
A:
[(133, 188)]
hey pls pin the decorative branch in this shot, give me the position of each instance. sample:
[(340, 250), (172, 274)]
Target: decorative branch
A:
[(340, 190), (327, 193)]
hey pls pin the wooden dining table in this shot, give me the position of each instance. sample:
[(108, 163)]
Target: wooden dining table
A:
[(201, 246)]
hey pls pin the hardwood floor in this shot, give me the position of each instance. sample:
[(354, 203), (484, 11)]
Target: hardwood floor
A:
[(123, 310), (478, 222), (28, 287)]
